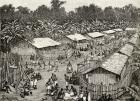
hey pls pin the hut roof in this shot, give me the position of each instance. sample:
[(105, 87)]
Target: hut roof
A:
[(115, 63), (44, 42), (131, 29), (95, 34), (127, 49), (118, 30), (109, 31), (76, 37)]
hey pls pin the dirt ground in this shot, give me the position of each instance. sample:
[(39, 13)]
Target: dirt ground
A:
[(40, 92)]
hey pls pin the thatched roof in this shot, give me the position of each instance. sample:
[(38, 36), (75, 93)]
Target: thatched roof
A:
[(115, 63), (44, 42), (95, 34), (76, 37), (109, 31), (127, 49), (131, 29), (118, 30)]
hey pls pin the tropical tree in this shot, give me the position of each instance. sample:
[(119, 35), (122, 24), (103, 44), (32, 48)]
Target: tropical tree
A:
[(58, 12), (90, 13), (12, 34), (109, 14), (56, 4), (6, 14), (42, 12)]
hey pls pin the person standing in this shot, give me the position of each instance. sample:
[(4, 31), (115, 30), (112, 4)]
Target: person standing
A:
[(6, 87), (35, 83), (44, 64), (32, 83), (86, 94), (66, 79), (81, 93)]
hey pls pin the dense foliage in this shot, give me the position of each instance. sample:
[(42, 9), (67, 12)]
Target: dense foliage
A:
[(54, 22)]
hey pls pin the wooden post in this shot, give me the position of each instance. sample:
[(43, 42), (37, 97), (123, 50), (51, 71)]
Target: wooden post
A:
[(7, 68), (1, 79)]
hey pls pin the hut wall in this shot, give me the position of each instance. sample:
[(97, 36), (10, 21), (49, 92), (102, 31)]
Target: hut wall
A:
[(50, 53), (24, 48), (0, 78), (99, 76), (106, 79), (65, 40)]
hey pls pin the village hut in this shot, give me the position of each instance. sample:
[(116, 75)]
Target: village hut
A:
[(118, 30), (78, 39), (130, 29), (97, 37), (45, 47), (109, 32), (24, 47), (109, 72)]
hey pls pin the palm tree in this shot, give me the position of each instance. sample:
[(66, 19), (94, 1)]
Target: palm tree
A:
[(56, 4), (56, 8)]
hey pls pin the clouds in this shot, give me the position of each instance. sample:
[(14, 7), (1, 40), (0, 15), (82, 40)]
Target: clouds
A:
[(70, 4)]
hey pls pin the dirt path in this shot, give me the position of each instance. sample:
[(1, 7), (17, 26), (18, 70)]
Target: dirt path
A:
[(41, 91)]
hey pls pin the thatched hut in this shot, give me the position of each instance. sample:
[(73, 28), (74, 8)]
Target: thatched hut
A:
[(97, 37), (109, 72), (45, 47), (109, 32), (78, 39), (118, 30)]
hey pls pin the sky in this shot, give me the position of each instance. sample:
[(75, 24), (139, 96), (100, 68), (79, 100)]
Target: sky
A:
[(71, 4)]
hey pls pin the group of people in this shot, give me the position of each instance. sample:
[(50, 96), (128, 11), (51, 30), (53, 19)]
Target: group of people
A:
[(52, 85), (30, 84), (34, 79), (83, 93), (73, 93), (72, 79), (25, 90), (69, 92), (6, 87)]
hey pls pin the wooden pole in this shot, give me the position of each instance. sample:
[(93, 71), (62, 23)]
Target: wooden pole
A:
[(7, 68)]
